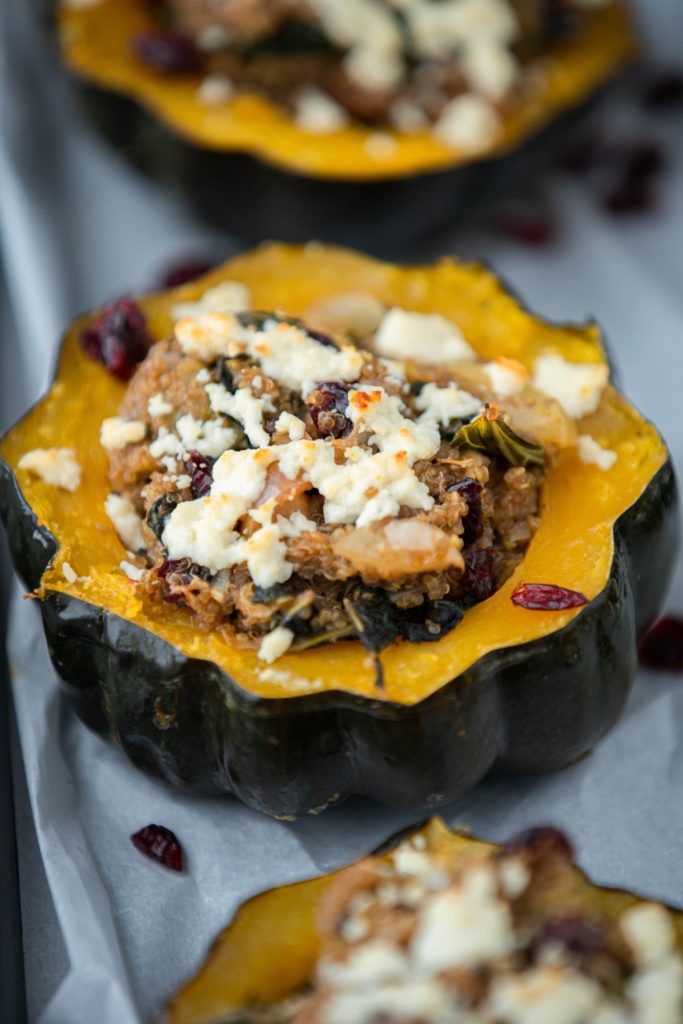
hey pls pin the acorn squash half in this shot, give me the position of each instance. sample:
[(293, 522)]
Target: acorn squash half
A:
[(268, 953), (510, 688), (248, 166)]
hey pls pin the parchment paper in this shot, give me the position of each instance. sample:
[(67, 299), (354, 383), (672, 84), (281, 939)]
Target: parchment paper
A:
[(77, 226)]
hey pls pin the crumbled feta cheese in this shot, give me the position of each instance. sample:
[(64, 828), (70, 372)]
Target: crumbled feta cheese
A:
[(244, 407), (465, 926), (578, 387), (468, 123), (158, 406), (291, 357), (274, 645), (68, 573), (657, 992), (439, 30), (291, 425), (365, 488), (133, 572), (126, 521), (215, 90), (226, 297), (443, 405), (649, 931), (371, 35), (490, 68), (424, 337), (371, 964), (542, 995), (379, 414), (354, 929), (207, 335), (203, 530), (404, 1000), (55, 466), (116, 433), (417, 864), (317, 113), (592, 452), (514, 877), (208, 437), (506, 376), (203, 376)]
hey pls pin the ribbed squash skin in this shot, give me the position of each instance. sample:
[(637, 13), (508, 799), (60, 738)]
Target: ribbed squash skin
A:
[(195, 712), (255, 173), (269, 950)]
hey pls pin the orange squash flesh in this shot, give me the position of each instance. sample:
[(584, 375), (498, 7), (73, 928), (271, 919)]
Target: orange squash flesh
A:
[(95, 42), (269, 950), (573, 546)]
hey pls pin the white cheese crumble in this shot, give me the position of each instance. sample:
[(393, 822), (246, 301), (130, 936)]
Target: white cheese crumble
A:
[(244, 407), (203, 529), (317, 113), (208, 437), (592, 452), (442, 405), (578, 387), (506, 376), (657, 992), (288, 355), (291, 425), (544, 994), (468, 123), (133, 572), (514, 877), (424, 337), (126, 521), (55, 466), (117, 433), (226, 297), (490, 68), (215, 90), (69, 574), (206, 335), (274, 645), (158, 406), (404, 1000), (649, 932), (375, 962), (464, 927), (379, 414)]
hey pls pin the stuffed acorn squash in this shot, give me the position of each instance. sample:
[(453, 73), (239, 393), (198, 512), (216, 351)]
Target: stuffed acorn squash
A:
[(322, 119), (444, 929), (385, 536)]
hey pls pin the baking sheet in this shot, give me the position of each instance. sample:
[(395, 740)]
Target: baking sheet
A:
[(77, 226)]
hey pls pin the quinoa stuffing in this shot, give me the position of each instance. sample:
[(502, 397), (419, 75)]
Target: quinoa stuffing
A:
[(454, 67), (296, 483)]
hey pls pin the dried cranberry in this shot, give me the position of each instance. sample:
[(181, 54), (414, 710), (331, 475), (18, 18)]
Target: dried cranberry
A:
[(629, 196), (181, 273), (328, 405), (665, 91), (168, 52), (159, 844), (473, 524), (174, 566), (542, 840), (643, 160), (545, 597), (118, 338), (580, 937), (479, 580), (528, 228), (200, 470), (662, 646)]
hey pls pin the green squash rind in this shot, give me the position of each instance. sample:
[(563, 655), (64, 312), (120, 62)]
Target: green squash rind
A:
[(531, 708)]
